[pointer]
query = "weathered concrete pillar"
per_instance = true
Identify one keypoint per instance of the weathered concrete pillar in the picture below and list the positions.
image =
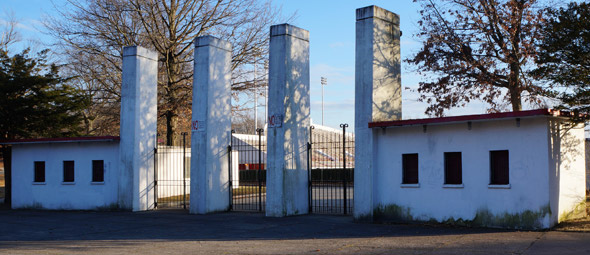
(377, 93)
(138, 128)
(211, 126)
(288, 118)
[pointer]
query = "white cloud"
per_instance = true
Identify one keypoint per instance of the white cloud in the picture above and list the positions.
(19, 25)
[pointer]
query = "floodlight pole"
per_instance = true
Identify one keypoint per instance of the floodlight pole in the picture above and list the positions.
(324, 82)
(255, 100)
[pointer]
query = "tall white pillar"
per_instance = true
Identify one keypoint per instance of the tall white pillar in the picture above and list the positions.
(377, 93)
(211, 126)
(288, 121)
(138, 128)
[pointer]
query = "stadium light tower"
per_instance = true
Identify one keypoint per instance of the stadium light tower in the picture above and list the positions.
(324, 82)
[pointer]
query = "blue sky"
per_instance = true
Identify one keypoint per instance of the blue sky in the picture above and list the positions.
(332, 41)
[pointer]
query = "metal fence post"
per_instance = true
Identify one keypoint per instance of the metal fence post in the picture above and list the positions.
(259, 131)
(156, 173)
(345, 179)
(184, 170)
(229, 150)
(309, 162)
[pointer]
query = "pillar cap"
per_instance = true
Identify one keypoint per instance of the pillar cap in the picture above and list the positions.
(209, 40)
(288, 29)
(140, 52)
(374, 11)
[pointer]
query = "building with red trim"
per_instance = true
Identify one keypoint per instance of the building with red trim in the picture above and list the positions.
(65, 173)
(513, 169)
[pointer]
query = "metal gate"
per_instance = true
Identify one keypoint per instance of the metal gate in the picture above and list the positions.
(172, 174)
(331, 175)
(247, 171)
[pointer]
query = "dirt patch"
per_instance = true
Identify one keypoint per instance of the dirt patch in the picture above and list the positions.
(577, 225)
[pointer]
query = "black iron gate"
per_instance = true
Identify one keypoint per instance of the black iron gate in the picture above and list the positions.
(247, 171)
(331, 175)
(172, 174)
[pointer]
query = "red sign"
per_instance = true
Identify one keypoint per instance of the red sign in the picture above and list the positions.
(197, 125)
(275, 120)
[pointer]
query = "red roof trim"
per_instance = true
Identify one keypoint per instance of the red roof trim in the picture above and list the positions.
(63, 139)
(490, 116)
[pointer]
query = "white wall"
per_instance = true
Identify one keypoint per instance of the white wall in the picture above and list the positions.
(587, 154)
(528, 167)
(211, 125)
(139, 92)
(377, 92)
(567, 170)
(170, 172)
(247, 146)
(288, 115)
(82, 194)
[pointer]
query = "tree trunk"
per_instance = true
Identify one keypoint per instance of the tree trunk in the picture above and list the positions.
(514, 87)
(171, 120)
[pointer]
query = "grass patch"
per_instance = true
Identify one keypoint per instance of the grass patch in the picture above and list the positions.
(247, 190)
(173, 198)
(244, 190)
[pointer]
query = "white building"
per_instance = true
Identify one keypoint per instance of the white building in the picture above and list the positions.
(517, 169)
(65, 173)
(90, 173)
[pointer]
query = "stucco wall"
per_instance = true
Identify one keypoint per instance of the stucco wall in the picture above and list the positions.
(54, 194)
(526, 201)
(170, 173)
(587, 160)
(567, 170)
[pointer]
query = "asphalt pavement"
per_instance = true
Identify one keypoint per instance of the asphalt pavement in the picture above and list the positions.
(177, 232)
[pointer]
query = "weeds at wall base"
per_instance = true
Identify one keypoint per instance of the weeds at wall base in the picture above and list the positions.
(530, 220)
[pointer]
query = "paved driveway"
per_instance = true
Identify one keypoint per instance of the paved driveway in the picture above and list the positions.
(175, 232)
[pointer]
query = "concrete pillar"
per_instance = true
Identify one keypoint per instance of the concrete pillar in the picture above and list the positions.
(377, 93)
(139, 92)
(211, 126)
(288, 118)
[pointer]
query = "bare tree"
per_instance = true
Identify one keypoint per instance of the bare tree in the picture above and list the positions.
(8, 33)
(92, 34)
(477, 50)
(244, 124)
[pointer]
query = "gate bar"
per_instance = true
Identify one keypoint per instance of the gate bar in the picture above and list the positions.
(231, 185)
(309, 158)
(184, 170)
(156, 173)
(259, 131)
(345, 179)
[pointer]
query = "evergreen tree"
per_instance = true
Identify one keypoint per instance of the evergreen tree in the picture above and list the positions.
(36, 101)
(564, 55)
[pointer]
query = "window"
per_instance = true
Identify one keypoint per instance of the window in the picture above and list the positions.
(453, 168)
(97, 170)
(39, 171)
(410, 168)
(499, 174)
(68, 171)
